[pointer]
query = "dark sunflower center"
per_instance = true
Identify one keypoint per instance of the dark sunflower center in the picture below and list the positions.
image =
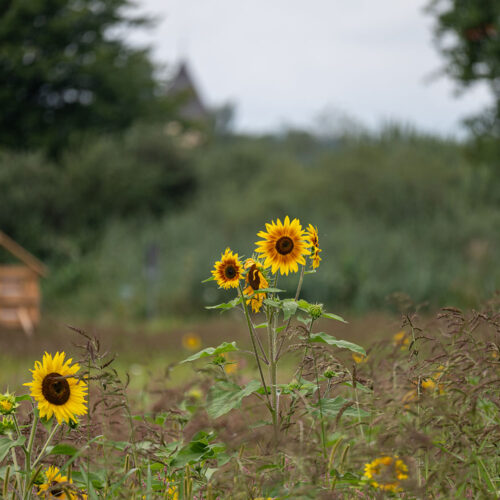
(230, 272)
(254, 277)
(55, 389)
(284, 245)
(55, 490)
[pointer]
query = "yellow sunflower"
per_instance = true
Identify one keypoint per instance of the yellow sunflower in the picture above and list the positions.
(386, 473)
(227, 270)
(191, 341)
(57, 392)
(312, 236)
(56, 486)
(255, 280)
(284, 246)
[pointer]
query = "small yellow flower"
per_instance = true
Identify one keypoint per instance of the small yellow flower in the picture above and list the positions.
(385, 473)
(195, 393)
(401, 340)
(191, 341)
(227, 270)
(359, 358)
(7, 403)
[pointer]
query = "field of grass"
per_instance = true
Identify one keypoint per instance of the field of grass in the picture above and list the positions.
(414, 416)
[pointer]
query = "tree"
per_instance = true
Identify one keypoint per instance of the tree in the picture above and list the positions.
(64, 69)
(472, 52)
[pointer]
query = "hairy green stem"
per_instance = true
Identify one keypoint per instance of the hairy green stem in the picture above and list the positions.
(250, 329)
(42, 451)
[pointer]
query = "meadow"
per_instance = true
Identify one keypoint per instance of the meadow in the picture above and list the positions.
(277, 398)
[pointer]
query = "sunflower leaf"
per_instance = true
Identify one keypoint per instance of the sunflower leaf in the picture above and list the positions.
(333, 316)
(225, 396)
(6, 444)
(26, 397)
(226, 305)
(289, 308)
(212, 278)
(62, 449)
(341, 344)
(212, 351)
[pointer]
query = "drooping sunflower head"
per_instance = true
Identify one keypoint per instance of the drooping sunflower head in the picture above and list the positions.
(283, 246)
(255, 280)
(312, 237)
(386, 472)
(56, 390)
(57, 486)
(227, 270)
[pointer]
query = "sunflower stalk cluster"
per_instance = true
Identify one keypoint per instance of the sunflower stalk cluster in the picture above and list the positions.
(284, 248)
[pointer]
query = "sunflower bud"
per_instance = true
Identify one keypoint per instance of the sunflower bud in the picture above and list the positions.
(6, 425)
(7, 404)
(315, 310)
(329, 374)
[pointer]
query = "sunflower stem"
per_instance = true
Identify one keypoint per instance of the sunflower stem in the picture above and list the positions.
(250, 329)
(49, 439)
(271, 332)
(31, 439)
(16, 468)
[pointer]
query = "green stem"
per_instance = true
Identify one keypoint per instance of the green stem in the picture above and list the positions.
(250, 329)
(271, 334)
(323, 436)
(42, 451)
(16, 468)
(28, 451)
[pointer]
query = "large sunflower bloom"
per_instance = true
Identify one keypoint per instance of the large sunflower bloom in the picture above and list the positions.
(284, 246)
(55, 486)
(227, 270)
(255, 280)
(312, 236)
(56, 391)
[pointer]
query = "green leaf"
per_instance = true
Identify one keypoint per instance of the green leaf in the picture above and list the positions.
(333, 316)
(26, 397)
(212, 278)
(341, 344)
(6, 444)
(273, 303)
(62, 449)
(331, 408)
(212, 351)
(289, 309)
(225, 306)
(225, 396)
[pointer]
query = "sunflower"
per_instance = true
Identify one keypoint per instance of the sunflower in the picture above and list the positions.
(386, 473)
(312, 236)
(227, 270)
(57, 392)
(255, 280)
(284, 246)
(191, 341)
(57, 485)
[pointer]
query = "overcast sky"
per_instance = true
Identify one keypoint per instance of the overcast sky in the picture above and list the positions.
(286, 61)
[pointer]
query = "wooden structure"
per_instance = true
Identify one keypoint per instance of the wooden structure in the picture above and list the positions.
(20, 288)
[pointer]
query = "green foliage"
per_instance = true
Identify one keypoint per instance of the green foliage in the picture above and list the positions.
(324, 338)
(396, 212)
(225, 396)
(65, 69)
(61, 210)
(212, 351)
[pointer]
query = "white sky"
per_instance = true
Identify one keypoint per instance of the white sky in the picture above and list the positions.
(285, 61)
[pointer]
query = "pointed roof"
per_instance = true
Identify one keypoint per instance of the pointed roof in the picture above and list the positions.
(23, 255)
(183, 85)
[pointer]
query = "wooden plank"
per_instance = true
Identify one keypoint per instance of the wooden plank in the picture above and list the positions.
(25, 320)
(23, 255)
